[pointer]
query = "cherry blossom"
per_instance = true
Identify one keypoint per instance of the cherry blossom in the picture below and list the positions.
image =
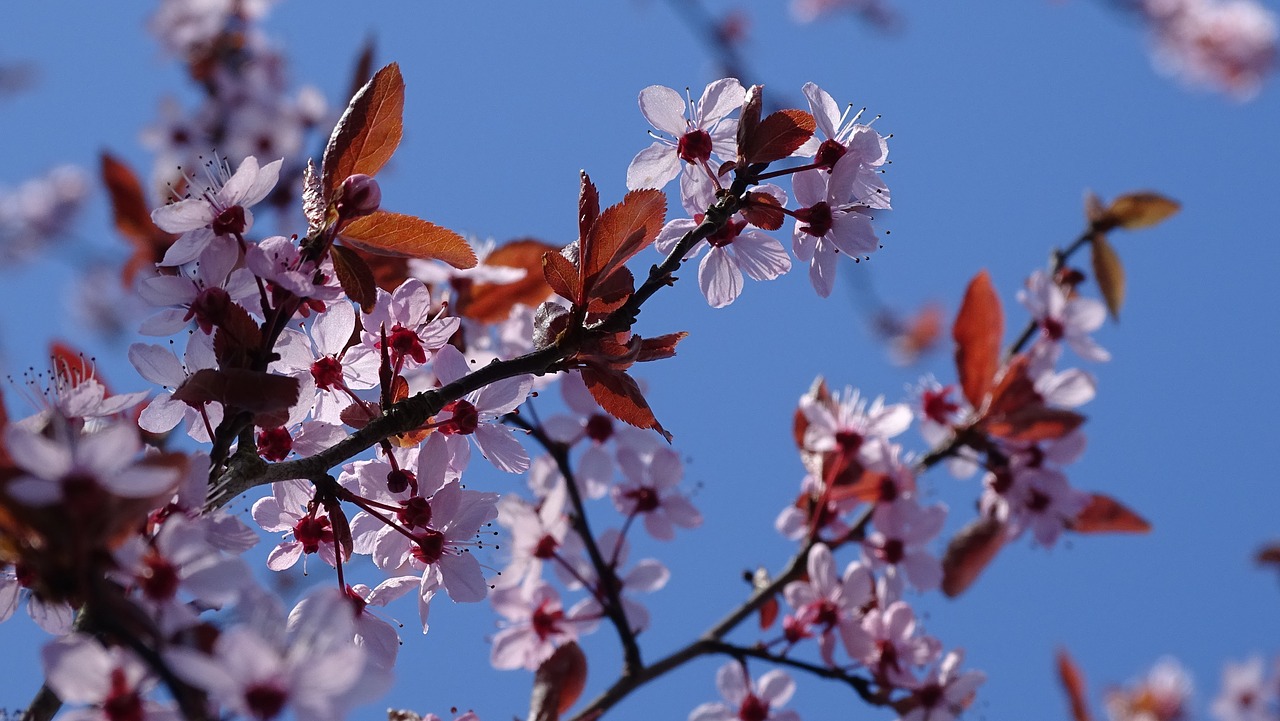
(845, 136)
(828, 222)
(944, 693)
(478, 414)
(55, 618)
(650, 492)
(902, 530)
(290, 510)
(595, 467)
(1062, 320)
(414, 334)
(161, 366)
(200, 291)
(536, 624)
(848, 425)
(646, 576)
(220, 207)
(887, 643)
(1163, 695)
(1247, 694)
(109, 680)
(745, 700)
(829, 602)
(694, 138)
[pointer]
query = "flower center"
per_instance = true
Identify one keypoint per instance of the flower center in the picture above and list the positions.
(753, 708)
(415, 513)
(159, 577)
(229, 222)
(828, 153)
(430, 546)
(405, 342)
(327, 372)
(818, 217)
(599, 427)
(209, 308)
(465, 418)
(275, 444)
(727, 234)
(264, 700)
(546, 622)
(1053, 328)
(312, 531)
(694, 146)
(122, 702)
(646, 499)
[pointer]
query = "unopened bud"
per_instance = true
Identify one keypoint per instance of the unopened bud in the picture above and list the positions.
(360, 196)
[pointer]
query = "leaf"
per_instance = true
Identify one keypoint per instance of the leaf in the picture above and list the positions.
(749, 118)
(340, 525)
(977, 331)
(236, 338)
(763, 211)
(588, 205)
(660, 348)
(620, 232)
(969, 553)
(266, 395)
(1109, 272)
(618, 394)
(818, 391)
(1073, 682)
(132, 217)
(1034, 423)
(778, 136)
(558, 683)
(1105, 514)
(562, 276)
(408, 236)
(1268, 555)
(363, 68)
(368, 132)
(612, 292)
(1141, 210)
(354, 276)
(492, 302)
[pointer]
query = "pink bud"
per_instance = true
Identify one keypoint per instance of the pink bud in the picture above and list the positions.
(360, 196)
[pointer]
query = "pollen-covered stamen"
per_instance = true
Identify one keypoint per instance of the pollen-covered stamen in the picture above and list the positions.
(727, 234)
(429, 546)
(122, 702)
(694, 146)
(464, 421)
(599, 427)
(327, 372)
(265, 700)
(159, 578)
(209, 308)
(415, 513)
(546, 622)
(231, 221)
(646, 499)
(753, 708)
(312, 531)
(828, 153)
(275, 444)
(818, 218)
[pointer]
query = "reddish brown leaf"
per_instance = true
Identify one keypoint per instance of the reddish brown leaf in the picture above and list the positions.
(363, 67)
(611, 292)
(800, 424)
(969, 552)
(660, 348)
(266, 395)
(618, 394)
(408, 236)
(341, 527)
(368, 132)
(558, 683)
(1109, 272)
(763, 211)
(562, 276)
(977, 332)
(132, 216)
(1268, 555)
(354, 276)
(1141, 210)
(1034, 423)
(778, 136)
(1105, 514)
(388, 271)
(749, 118)
(492, 302)
(236, 338)
(620, 232)
(1073, 683)
(768, 613)
(588, 205)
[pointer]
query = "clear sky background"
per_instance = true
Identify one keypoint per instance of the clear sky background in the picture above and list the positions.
(1002, 112)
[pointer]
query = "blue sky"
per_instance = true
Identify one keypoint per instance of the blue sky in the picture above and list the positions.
(1002, 115)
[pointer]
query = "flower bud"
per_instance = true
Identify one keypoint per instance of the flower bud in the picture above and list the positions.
(360, 195)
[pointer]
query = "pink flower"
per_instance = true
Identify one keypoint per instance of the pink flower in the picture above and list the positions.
(1163, 695)
(851, 423)
(650, 492)
(1062, 320)
(828, 602)
(828, 222)
(744, 699)
(903, 528)
(77, 468)
(221, 207)
(53, 618)
(199, 292)
(887, 643)
(734, 250)
(1228, 45)
(945, 693)
(845, 136)
(536, 625)
(1247, 693)
(109, 680)
(290, 510)
(480, 412)
(413, 333)
(693, 139)
(646, 576)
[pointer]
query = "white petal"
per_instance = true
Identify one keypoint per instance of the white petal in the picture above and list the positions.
(653, 167)
(664, 109)
(719, 278)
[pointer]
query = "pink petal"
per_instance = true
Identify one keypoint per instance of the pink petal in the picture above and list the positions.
(719, 278)
(664, 109)
(653, 167)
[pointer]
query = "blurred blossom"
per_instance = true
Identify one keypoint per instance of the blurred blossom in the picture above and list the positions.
(1164, 694)
(1227, 45)
(40, 211)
